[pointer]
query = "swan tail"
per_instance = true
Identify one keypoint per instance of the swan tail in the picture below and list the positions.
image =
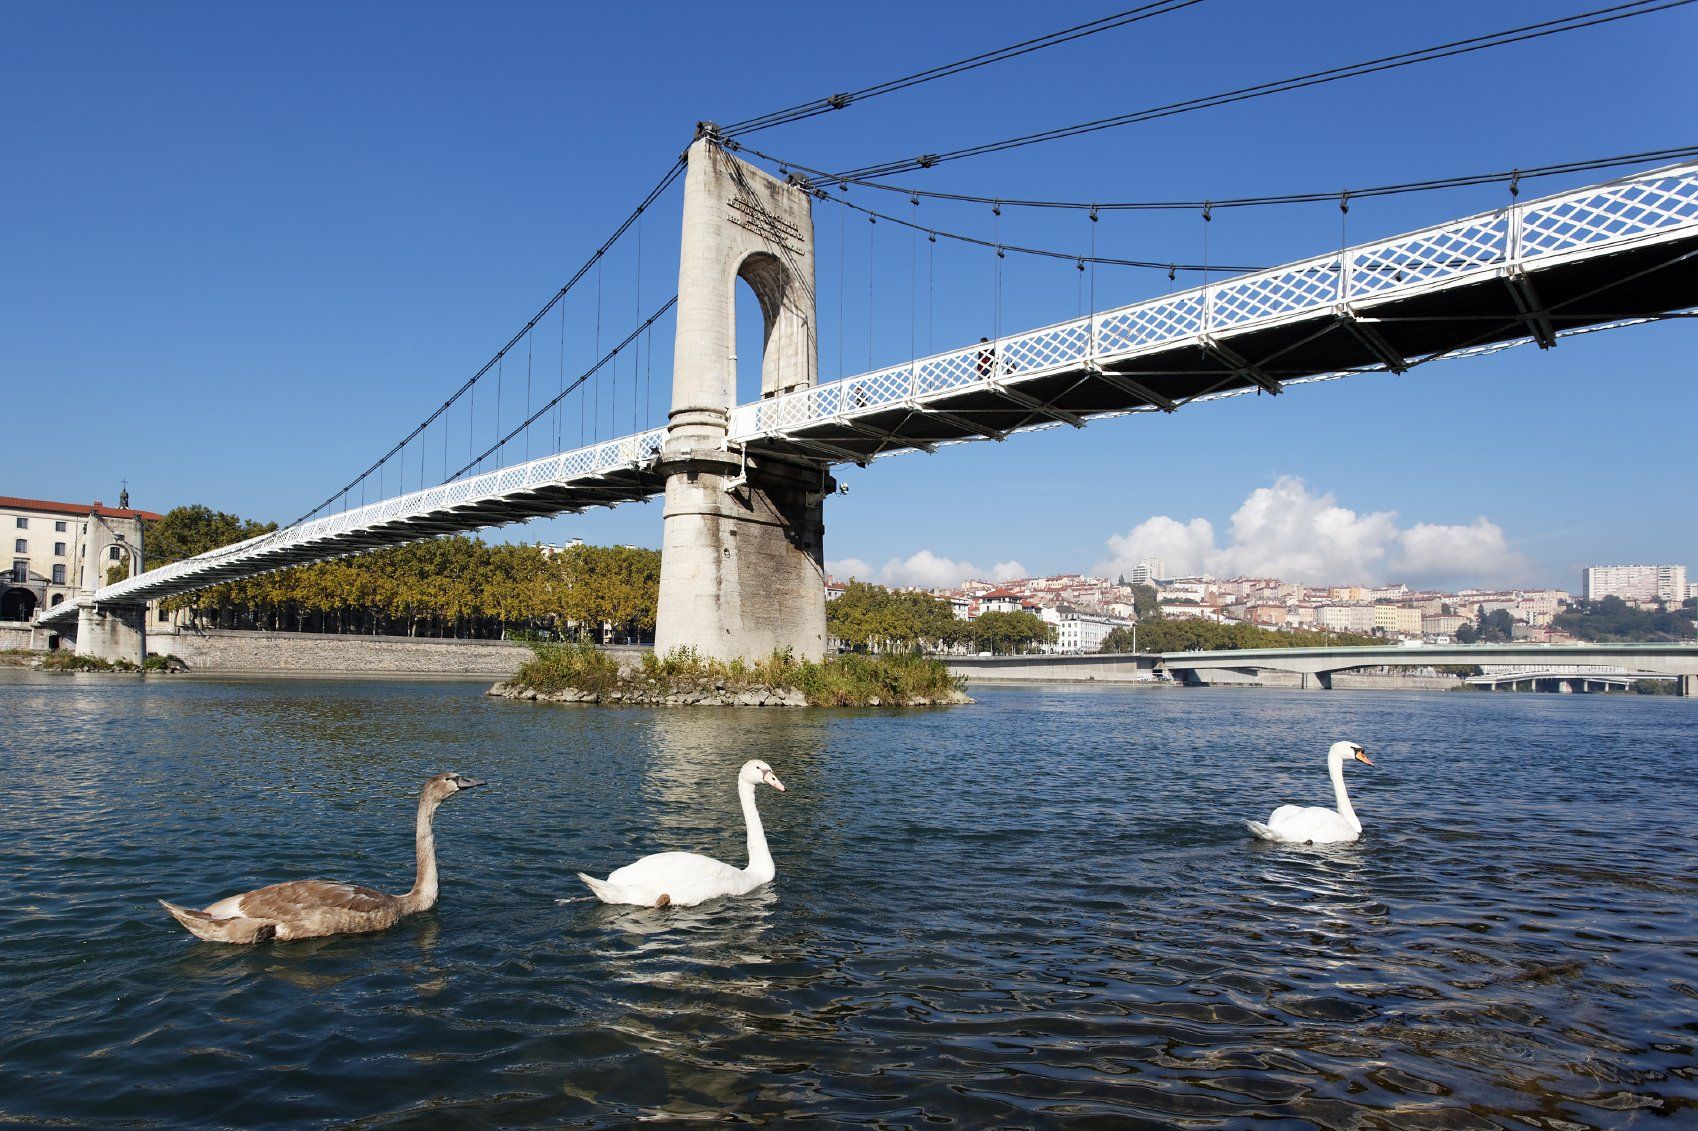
(1262, 831)
(625, 893)
(604, 891)
(233, 930)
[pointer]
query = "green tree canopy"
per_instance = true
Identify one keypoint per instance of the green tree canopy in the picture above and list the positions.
(1612, 619)
(1145, 603)
(1209, 636)
(1010, 632)
(450, 586)
(873, 618)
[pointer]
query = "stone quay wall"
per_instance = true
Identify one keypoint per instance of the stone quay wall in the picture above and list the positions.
(17, 635)
(313, 653)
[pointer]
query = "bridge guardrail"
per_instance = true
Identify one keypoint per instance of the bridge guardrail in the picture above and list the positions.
(1629, 208)
(561, 468)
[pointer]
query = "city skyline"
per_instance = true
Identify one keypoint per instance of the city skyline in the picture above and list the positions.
(284, 278)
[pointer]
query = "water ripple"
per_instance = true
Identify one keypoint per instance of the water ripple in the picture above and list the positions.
(1039, 911)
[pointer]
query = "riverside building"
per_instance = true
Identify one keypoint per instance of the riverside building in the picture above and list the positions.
(1635, 584)
(61, 548)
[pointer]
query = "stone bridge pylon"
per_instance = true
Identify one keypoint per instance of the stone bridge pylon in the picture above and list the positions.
(742, 569)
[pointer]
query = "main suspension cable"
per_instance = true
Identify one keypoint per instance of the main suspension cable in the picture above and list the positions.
(1469, 180)
(1048, 253)
(1014, 50)
(1524, 33)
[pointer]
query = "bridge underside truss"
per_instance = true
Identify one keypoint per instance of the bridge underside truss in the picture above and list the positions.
(1601, 256)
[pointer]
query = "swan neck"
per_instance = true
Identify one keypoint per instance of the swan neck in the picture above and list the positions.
(423, 895)
(1344, 808)
(760, 858)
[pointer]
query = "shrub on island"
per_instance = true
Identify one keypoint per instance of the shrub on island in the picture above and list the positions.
(583, 673)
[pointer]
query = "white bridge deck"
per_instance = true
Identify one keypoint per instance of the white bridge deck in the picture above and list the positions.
(1601, 256)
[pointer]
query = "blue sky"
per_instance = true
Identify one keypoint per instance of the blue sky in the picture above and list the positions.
(248, 248)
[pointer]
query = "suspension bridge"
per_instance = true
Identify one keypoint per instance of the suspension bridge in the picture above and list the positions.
(745, 484)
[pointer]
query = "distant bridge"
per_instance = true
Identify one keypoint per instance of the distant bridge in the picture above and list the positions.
(1316, 666)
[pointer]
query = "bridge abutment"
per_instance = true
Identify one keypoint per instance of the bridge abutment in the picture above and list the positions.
(742, 570)
(112, 632)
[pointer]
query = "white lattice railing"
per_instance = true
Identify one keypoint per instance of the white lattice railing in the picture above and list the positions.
(556, 470)
(1620, 212)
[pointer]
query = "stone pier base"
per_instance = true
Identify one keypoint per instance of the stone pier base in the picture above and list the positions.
(742, 573)
(112, 632)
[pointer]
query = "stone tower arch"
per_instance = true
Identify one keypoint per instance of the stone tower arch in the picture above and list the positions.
(742, 568)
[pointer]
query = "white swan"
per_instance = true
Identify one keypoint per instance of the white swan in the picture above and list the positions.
(1297, 824)
(684, 879)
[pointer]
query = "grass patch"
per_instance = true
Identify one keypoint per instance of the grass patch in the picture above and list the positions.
(858, 681)
(557, 667)
(71, 662)
(838, 681)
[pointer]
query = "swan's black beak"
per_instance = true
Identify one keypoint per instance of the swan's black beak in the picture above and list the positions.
(469, 783)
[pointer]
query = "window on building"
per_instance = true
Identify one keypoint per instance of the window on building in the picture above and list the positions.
(21, 546)
(59, 527)
(20, 570)
(58, 549)
(23, 523)
(59, 575)
(163, 615)
(114, 553)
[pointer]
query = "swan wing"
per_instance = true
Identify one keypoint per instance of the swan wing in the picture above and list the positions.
(685, 878)
(301, 897)
(1311, 825)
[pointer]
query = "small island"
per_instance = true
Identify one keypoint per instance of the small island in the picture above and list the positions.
(583, 673)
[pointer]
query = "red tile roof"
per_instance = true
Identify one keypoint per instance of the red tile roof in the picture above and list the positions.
(74, 509)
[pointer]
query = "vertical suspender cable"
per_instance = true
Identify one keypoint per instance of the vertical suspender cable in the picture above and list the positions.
(559, 440)
(842, 277)
(637, 346)
(931, 291)
(914, 286)
(595, 385)
(1093, 259)
(530, 349)
(872, 233)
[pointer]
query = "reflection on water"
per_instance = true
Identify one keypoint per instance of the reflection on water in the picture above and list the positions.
(1042, 910)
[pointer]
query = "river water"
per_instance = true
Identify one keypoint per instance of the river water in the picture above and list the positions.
(1042, 910)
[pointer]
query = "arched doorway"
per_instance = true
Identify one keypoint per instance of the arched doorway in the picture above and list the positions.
(17, 604)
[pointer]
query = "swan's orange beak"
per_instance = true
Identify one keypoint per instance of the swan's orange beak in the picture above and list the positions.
(772, 779)
(1362, 757)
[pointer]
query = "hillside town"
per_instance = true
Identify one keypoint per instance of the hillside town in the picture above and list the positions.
(1084, 610)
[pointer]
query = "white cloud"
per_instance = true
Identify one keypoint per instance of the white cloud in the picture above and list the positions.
(1284, 531)
(1289, 532)
(1183, 548)
(847, 569)
(924, 569)
(1458, 555)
